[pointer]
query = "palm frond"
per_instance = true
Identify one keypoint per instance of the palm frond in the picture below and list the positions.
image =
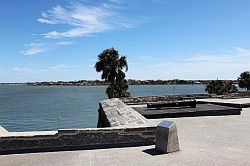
(123, 63)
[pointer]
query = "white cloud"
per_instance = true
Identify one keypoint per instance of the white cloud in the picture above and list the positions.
(64, 43)
(45, 21)
(29, 70)
(208, 58)
(238, 54)
(33, 45)
(224, 66)
(36, 48)
(34, 70)
(32, 51)
(117, 1)
(33, 48)
(83, 20)
(63, 68)
(242, 52)
(145, 57)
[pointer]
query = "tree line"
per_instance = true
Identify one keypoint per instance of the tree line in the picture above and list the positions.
(221, 87)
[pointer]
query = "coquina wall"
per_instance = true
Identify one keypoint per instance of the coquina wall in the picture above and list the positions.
(120, 126)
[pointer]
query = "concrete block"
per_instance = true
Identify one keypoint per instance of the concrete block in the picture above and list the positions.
(3, 131)
(167, 137)
(113, 112)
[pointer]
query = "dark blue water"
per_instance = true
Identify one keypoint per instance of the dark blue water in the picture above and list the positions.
(30, 108)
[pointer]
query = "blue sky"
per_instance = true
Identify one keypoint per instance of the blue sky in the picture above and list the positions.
(50, 40)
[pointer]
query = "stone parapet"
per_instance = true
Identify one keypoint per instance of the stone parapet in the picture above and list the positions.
(113, 112)
(146, 99)
(3, 131)
(119, 125)
(67, 139)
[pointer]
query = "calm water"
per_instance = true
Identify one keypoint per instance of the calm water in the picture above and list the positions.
(30, 108)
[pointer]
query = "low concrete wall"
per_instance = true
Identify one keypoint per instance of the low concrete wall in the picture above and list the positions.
(67, 139)
(124, 127)
(3, 131)
(146, 99)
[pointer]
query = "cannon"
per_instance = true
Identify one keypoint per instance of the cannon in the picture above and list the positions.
(175, 103)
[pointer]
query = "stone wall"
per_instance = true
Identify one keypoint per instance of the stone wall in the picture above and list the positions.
(121, 126)
(113, 112)
(3, 131)
(146, 99)
(77, 139)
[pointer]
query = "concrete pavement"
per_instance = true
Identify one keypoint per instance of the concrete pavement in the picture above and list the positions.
(206, 141)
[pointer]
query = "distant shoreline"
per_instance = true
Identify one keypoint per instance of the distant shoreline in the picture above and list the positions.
(103, 83)
(20, 84)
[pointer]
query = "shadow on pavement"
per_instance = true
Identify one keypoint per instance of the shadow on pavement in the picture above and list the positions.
(152, 152)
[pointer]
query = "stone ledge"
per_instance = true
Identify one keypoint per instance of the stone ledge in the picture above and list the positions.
(229, 104)
(3, 131)
(113, 112)
(121, 126)
(70, 139)
(146, 99)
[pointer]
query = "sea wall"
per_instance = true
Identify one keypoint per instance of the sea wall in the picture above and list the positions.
(119, 125)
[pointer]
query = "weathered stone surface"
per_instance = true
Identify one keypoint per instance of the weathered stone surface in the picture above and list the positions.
(146, 99)
(82, 138)
(123, 126)
(113, 112)
(3, 131)
(167, 137)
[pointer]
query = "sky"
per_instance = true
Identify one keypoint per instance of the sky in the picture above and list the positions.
(52, 40)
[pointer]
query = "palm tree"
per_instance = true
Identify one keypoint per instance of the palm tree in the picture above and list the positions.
(111, 65)
(244, 80)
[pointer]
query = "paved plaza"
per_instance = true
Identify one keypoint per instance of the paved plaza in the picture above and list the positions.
(206, 141)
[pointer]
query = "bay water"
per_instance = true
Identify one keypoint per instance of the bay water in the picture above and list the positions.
(39, 108)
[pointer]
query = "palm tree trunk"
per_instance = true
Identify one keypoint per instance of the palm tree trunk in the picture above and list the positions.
(112, 89)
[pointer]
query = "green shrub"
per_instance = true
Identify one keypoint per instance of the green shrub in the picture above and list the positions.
(220, 87)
